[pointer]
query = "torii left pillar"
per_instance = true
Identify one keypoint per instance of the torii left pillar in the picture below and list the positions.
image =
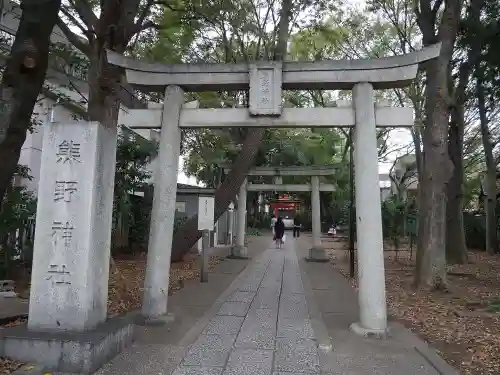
(371, 274)
(239, 250)
(154, 305)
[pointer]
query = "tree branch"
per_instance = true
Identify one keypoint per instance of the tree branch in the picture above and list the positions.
(74, 39)
(85, 12)
(141, 24)
(85, 31)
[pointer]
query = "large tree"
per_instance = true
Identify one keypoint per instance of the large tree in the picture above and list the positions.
(456, 248)
(22, 81)
(484, 32)
(108, 24)
(438, 23)
(243, 35)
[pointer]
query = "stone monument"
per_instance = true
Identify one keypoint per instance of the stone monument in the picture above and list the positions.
(69, 280)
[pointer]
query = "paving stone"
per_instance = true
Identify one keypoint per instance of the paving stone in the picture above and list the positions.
(257, 332)
(296, 355)
(209, 351)
(224, 325)
(250, 362)
(266, 298)
(292, 288)
(272, 278)
(269, 317)
(234, 308)
(196, 370)
(293, 306)
(144, 359)
(251, 282)
(295, 328)
(355, 364)
(249, 286)
(241, 296)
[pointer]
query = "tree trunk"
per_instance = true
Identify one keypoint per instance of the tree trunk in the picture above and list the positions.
(489, 184)
(419, 159)
(456, 249)
(187, 235)
(22, 81)
(431, 270)
(436, 173)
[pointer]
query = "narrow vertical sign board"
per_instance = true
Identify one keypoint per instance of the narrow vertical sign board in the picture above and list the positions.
(206, 207)
(206, 224)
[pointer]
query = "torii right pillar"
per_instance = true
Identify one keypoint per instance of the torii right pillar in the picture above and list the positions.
(371, 274)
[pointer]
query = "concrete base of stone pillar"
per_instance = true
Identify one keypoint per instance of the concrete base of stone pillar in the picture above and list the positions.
(238, 252)
(67, 351)
(368, 332)
(155, 321)
(317, 254)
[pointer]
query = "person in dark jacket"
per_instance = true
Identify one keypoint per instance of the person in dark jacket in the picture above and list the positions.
(279, 231)
(296, 226)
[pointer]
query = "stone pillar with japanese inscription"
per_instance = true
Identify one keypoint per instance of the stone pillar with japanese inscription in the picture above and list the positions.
(69, 281)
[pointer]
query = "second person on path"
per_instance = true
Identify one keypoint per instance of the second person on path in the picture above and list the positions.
(279, 231)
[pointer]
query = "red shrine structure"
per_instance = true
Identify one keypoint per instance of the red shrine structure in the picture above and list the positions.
(284, 205)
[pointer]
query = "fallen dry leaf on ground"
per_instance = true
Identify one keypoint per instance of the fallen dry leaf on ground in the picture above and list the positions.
(470, 343)
(126, 288)
(126, 285)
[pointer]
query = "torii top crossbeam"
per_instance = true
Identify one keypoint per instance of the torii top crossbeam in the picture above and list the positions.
(382, 73)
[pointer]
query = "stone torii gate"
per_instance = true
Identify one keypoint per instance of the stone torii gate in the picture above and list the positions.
(69, 280)
(317, 252)
(265, 81)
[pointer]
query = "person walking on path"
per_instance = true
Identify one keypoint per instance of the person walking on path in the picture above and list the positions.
(273, 223)
(296, 227)
(279, 232)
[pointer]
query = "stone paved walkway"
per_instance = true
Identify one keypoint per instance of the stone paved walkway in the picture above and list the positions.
(261, 328)
(280, 316)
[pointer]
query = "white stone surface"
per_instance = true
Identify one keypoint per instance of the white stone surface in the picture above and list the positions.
(371, 278)
(149, 118)
(316, 212)
(290, 118)
(69, 282)
(388, 72)
(265, 88)
(163, 212)
(230, 225)
(242, 213)
(216, 233)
